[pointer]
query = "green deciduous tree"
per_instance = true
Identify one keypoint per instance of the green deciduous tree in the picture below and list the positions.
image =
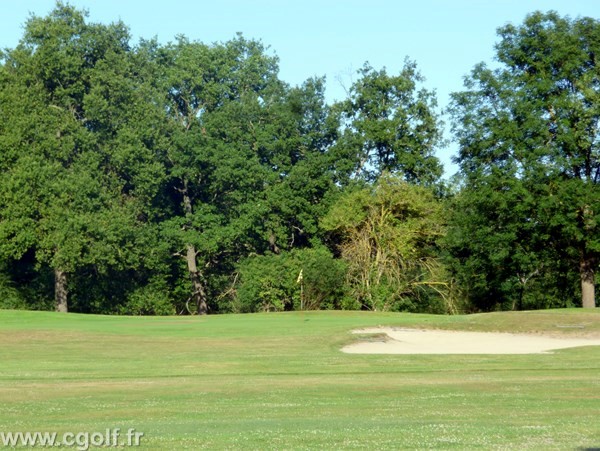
(66, 194)
(139, 176)
(216, 98)
(390, 124)
(299, 132)
(388, 237)
(529, 140)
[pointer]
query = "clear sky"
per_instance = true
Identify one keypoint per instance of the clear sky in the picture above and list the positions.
(334, 38)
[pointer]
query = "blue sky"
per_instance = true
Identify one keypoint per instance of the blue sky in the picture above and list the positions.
(327, 37)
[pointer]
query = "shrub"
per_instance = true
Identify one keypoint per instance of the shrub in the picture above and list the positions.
(150, 299)
(301, 279)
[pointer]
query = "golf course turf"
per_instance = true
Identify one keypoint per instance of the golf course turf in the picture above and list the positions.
(280, 381)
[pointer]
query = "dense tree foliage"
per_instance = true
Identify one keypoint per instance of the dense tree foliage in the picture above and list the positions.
(189, 178)
(391, 125)
(388, 237)
(309, 278)
(62, 197)
(530, 156)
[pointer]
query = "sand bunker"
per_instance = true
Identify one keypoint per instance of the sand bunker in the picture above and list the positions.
(415, 341)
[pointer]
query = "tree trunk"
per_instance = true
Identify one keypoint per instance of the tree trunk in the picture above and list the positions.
(586, 271)
(198, 295)
(60, 291)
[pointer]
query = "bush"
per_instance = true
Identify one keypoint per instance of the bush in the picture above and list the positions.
(150, 299)
(10, 298)
(307, 279)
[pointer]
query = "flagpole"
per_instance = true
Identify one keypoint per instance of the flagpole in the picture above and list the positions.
(300, 280)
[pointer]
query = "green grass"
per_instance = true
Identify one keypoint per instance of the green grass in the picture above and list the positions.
(279, 381)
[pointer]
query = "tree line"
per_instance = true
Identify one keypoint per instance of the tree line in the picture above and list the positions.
(187, 178)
